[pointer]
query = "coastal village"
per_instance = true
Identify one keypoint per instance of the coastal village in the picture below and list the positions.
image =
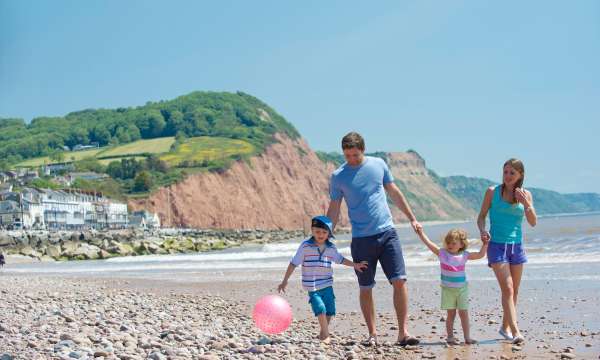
(26, 207)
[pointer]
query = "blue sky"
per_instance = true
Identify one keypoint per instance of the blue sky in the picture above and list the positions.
(467, 84)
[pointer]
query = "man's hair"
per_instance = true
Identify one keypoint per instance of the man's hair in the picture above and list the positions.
(353, 140)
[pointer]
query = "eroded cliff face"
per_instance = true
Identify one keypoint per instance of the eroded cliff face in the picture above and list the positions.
(428, 199)
(282, 189)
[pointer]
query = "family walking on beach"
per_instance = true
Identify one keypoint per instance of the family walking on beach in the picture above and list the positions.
(363, 182)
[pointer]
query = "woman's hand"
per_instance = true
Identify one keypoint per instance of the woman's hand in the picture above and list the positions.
(360, 266)
(485, 236)
(521, 197)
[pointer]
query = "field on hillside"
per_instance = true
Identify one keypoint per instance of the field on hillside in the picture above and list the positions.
(205, 148)
(69, 156)
(149, 146)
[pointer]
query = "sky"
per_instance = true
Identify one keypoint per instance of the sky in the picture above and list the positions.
(466, 84)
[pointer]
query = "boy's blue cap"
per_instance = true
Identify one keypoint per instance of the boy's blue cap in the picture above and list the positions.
(323, 222)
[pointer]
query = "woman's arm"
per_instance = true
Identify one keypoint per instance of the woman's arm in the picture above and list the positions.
(525, 198)
(433, 247)
(485, 207)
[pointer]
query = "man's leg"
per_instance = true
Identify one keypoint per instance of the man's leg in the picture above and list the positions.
(401, 307)
(368, 309)
(365, 249)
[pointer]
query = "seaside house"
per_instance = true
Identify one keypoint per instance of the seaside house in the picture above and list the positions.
(144, 219)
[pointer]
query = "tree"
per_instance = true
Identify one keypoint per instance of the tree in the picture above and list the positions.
(142, 182)
(57, 156)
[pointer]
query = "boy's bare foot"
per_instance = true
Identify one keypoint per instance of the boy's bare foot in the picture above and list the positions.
(451, 340)
(471, 341)
(325, 340)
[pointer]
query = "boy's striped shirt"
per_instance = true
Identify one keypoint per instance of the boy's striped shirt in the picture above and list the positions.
(317, 272)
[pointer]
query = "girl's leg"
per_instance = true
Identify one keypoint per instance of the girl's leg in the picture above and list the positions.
(324, 324)
(464, 321)
(502, 272)
(450, 316)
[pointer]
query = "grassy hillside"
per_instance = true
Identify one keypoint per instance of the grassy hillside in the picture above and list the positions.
(217, 114)
(471, 191)
(199, 151)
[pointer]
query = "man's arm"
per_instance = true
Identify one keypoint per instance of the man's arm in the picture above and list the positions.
(333, 212)
(400, 201)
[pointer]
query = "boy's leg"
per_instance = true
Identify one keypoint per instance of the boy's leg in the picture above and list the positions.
(324, 324)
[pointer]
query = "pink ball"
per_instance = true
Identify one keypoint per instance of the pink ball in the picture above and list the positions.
(272, 314)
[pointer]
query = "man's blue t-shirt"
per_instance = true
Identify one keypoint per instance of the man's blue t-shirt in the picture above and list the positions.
(362, 188)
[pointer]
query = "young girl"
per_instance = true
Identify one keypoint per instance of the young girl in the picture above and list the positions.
(455, 293)
(507, 205)
(316, 255)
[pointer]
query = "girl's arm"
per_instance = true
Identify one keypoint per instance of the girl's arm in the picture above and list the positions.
(357, 266)
(485, 207)
(433, 247)
(482, 252)
(290, 269)
(525, 198)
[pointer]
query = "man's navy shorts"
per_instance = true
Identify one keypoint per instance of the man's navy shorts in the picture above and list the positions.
(383, 248)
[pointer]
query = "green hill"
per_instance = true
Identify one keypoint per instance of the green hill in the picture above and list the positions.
(471, 191)
(227, 115)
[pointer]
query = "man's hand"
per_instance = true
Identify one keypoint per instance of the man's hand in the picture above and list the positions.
(416, 226)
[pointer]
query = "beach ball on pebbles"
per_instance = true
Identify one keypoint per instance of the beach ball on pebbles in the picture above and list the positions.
(272, 314)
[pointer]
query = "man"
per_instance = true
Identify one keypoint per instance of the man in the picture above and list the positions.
(363, 182)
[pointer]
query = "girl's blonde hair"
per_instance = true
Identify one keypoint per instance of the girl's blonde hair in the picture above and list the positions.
(459, 235)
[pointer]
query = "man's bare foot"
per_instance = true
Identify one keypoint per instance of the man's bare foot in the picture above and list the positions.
(471, 341)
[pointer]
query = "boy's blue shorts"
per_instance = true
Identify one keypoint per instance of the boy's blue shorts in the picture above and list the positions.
(322, 301)
(383, 248)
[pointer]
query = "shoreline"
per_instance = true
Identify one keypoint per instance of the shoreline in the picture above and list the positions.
(140, 318)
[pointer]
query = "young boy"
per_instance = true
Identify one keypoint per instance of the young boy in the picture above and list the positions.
(316, 255)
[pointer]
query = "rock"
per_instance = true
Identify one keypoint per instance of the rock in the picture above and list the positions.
(516, 348)
(157, 356)
(86, 251)
(567, 356)
(6, 356)
(29, 251)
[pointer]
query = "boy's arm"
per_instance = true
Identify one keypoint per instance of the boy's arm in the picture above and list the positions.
(357, 266)
(290, 269)
(433, 247)
(481, 253)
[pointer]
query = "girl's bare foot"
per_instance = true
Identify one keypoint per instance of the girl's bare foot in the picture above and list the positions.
(451, 340)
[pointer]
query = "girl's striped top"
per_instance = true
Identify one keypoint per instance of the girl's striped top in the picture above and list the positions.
(453, 268)
(317, 272)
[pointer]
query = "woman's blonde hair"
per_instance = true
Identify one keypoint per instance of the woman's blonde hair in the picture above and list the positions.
(459, 235)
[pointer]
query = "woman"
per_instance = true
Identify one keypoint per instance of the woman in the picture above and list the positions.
(507, 204)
